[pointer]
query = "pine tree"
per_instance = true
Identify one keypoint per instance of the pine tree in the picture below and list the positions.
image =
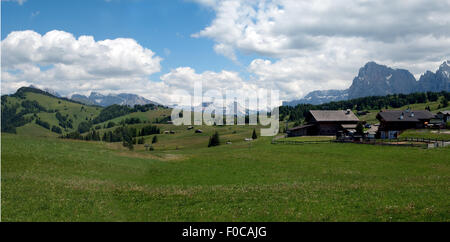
(155, 139)
(360, 129)
(444, 102)
(254, 136)
(214, 140)
(141, 141)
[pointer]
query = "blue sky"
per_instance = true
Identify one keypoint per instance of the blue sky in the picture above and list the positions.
(151, 47)
(162, 26)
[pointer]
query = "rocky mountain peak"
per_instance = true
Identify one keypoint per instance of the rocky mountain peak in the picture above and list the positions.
(379, 80)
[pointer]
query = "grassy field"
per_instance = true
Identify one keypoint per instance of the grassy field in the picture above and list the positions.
(49, 179)
(309, 138)
(427, 134)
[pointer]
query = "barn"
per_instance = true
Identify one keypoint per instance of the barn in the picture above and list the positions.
(326, 122)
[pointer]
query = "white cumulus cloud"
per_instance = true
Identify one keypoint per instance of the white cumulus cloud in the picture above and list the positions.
(64, 63)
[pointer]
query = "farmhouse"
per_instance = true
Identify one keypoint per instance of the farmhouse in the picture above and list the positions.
(326, 122)
(444, 116)
(392, 123)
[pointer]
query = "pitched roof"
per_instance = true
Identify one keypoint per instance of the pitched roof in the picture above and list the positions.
(446, 112)
(301, 127)
(333, 115)
(405, 116)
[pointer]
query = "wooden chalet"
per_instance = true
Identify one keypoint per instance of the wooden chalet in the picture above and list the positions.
(326, 122)
(393, 122)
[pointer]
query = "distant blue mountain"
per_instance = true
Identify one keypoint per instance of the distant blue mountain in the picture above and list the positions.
(110, 99)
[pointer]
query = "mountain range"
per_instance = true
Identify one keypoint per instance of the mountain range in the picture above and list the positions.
(106, 100)
(379, 80)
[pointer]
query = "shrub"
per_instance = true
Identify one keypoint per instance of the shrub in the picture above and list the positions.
(111, 124)
(43, 123)
(360, 129)
(214, 140)
(56, 129)
(84, 127)
(141, 141)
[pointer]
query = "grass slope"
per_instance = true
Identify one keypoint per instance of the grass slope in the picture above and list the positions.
(75, 111)
(48, 179)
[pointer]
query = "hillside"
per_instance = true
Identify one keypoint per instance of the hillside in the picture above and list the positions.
(33, 106)
(38, 113)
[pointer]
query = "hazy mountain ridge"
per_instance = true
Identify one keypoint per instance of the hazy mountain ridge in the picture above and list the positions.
(320, 96)
(106, 100)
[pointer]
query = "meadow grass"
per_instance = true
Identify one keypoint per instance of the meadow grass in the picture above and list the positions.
(50, 179)
(427, 134)
(309, 138)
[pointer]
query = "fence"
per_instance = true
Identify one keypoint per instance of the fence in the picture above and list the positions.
(295, 142)
(405, 141)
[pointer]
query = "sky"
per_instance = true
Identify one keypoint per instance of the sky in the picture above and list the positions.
(157, 49)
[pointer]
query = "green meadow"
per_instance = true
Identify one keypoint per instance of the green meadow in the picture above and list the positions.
(46, 178)
(51, 179)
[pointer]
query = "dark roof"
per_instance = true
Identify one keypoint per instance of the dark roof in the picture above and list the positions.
(333, 115)
(408, 115)
(301, 127)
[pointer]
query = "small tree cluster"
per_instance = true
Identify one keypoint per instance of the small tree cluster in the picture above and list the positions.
(214, 140)
(42, 123)
(141, 141)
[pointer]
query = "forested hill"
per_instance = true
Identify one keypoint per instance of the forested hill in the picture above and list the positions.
(367, 103)
(31, 109)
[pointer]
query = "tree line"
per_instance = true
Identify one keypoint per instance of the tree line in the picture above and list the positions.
(365, 103)
(116, 110)
(126, 135)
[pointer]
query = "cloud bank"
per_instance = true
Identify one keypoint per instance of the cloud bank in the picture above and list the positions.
(321, 44)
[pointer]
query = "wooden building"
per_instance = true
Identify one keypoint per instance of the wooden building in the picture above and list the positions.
(393, 122)
(444, 116)
(326, 122)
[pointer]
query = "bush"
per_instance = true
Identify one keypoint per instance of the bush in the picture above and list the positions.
(214, 140)
(84, 127)
(360, 129)
(141, 141)
(43, 123)
(56, 129)
(155, 139)
(111, 124)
